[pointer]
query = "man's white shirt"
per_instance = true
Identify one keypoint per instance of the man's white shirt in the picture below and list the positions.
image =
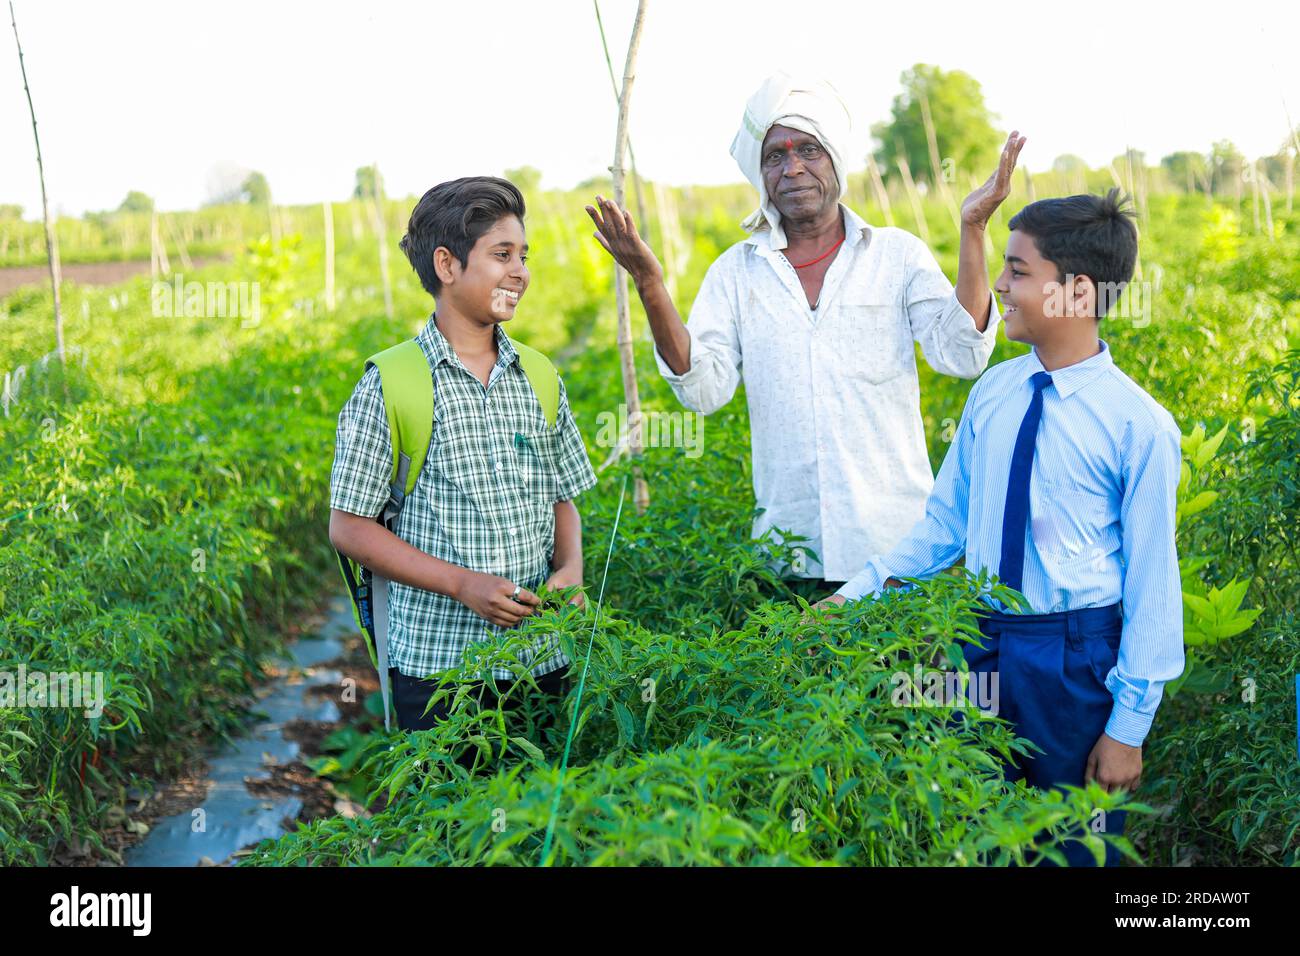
(838, 444)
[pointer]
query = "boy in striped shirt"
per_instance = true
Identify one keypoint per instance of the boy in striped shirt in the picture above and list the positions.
(1062, 479)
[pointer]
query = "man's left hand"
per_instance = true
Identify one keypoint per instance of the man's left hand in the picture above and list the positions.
(984, 201)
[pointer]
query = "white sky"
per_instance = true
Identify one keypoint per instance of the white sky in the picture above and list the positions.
(152, 96)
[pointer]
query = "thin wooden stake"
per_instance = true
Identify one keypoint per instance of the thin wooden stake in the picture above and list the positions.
(914, 197)
(377, 218)
(186, 263)
(627, 357)
(51, 243)
(329, 256)
(878, 187)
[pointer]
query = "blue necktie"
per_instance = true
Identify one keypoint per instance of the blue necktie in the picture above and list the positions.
(1015, 517)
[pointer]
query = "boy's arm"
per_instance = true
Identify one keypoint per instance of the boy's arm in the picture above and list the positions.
(957, 328)
(937, 540)
(1151, 645)
(566, 563)
(574, 475)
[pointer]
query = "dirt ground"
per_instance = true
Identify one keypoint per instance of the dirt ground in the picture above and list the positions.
(82, 273)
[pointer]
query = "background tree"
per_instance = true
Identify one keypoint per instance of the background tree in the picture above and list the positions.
(136, 201)
(1226, 166)
(1186, 170)
(527, 178)
(1068, 164)
(365, 183)
(255, 190)
(963, 125)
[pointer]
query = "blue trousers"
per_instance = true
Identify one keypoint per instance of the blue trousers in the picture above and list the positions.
(1051, 671)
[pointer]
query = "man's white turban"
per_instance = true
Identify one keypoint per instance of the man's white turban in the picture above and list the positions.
(807, 104)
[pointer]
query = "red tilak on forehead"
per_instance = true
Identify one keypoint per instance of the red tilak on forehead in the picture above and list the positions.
(789, 143)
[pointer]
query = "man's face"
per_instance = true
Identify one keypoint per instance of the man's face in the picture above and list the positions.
(798, 174)
(495, 276)
(1036, 304)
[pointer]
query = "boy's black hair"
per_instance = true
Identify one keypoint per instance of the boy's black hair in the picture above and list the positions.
(455, 214)
(1085, 235)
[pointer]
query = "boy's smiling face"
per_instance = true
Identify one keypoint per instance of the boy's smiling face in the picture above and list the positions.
(1037, 305)
(489, 287)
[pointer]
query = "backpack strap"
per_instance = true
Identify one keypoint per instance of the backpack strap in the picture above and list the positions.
(408, 404)
(543, 377)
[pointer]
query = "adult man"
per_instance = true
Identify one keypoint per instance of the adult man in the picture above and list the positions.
(822, 309)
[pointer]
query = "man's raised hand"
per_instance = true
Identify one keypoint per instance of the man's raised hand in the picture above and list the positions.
(980, 204)
(616, 231)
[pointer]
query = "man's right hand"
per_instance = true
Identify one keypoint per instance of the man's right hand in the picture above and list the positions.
(488, 596)
(616, 231)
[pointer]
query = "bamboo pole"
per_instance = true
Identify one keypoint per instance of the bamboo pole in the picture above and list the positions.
(329, 256)
(918, 213)
(159, 263)
(636, 177)
(377, 218)
(1254, 195)
(878, 187)
(936, 164)
(627, 358)
(51, 243)
(671, 241)
(275, 225)
(186, 263)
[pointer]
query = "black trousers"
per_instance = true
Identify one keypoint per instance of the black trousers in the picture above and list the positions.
(813, 590)
(411, 695)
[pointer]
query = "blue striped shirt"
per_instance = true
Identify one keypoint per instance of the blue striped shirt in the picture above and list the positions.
(1101, 528)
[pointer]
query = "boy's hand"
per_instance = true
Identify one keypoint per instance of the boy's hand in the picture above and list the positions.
(617, 233)
(488, 596)
(1114, 765)
(981, 204)
(567, 578)
(835, 600)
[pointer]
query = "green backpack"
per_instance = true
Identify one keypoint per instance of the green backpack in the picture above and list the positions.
(408, 402)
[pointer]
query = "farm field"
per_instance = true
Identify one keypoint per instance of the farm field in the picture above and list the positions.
(163, 515)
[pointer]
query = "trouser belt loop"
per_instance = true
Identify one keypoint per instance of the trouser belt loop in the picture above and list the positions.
(1073, 629)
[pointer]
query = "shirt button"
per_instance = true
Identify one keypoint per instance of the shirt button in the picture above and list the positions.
(499, 466)
(512, 530)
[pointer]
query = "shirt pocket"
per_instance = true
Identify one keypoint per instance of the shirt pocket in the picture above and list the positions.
(1072, 527)
(535, 454)
(876, 341)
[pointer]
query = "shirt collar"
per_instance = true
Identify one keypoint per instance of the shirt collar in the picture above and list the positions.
(438, 349)
(856, 230)
(1071, 378)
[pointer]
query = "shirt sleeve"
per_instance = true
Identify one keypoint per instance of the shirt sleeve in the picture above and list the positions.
(940, 323)
(574, 474)
(363, 451)
(713, 326)
(937, 540)
(1151, 644)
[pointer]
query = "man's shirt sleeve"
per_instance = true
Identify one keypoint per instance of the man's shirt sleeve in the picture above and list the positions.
(573, 468)
(936, 541)
(711, 380)
(940, 323)
(363, 451)
(1151, 645)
